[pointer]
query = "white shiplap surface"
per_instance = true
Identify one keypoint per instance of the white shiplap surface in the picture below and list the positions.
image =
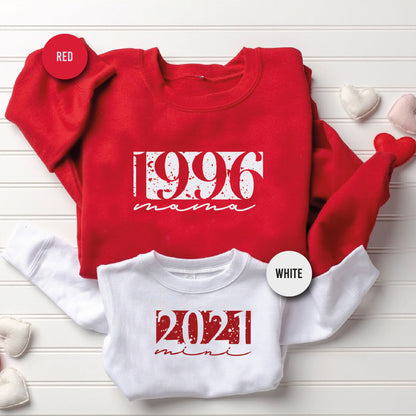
(369, 368)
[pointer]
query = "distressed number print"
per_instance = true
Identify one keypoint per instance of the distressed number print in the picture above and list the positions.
(200, 176)
(191, 332)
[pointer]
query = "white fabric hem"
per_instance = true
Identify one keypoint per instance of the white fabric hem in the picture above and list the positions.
(330, 300)
(25, 248)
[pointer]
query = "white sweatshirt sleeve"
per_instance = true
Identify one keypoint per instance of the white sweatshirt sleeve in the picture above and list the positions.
(329, 301)
(53, 266)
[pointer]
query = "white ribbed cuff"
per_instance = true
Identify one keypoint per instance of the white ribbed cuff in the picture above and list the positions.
(25, 247)
(330, 300)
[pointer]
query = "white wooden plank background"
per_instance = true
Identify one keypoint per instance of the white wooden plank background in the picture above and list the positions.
(369, 367)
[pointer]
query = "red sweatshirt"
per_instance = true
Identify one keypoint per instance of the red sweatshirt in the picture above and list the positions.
(194, 159)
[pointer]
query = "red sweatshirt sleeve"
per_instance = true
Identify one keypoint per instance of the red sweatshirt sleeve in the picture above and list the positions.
(53, 114)
(346, 195)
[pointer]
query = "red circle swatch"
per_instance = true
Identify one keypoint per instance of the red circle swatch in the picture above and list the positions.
(64, 56)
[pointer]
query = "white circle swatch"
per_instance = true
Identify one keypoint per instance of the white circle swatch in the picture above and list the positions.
(289, 273)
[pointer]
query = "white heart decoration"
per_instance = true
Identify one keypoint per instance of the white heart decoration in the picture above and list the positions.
(13, 389)
(403, 113)
(358, 102)
(16, 334)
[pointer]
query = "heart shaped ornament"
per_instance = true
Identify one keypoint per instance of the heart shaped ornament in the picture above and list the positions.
(403, 113)
(13, 389)
(16, 335)
(403, 148)
(358, 102)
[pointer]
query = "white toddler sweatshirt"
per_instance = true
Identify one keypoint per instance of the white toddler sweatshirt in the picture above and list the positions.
(203, 327)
